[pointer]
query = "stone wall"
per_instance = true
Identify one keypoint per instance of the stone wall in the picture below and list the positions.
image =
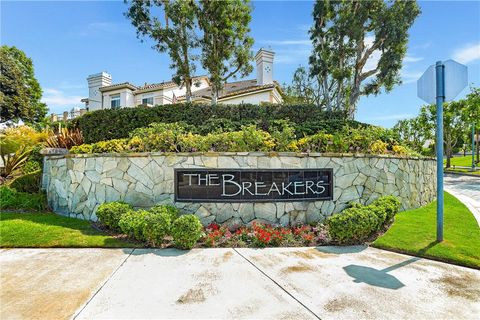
(77, 184)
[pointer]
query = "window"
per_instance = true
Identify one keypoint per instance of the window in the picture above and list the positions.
(147, 101)
(115, 101)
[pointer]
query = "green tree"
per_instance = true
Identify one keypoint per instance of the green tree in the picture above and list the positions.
(471, 117)
(303, 89)
(226, 43)
(454, 125)
(20, 91)
(174, 33)
(412, 132)
(345, 35)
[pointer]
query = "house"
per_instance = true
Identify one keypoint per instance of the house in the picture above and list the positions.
(105, 95)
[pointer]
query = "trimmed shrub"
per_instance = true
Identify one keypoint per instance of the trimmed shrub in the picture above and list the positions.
(156, 227)
(110, 213)
(110, 146)
(352, 225)
(171, 211)
(29, 183)
(391, 205)
(84, 148)
(186, 231)
(357, 223)
(132, 223)
(12, 199)
(114, 124)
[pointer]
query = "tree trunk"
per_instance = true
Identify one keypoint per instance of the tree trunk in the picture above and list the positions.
(478, 146)
(214, 96)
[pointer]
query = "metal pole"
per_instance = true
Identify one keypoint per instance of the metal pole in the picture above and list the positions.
(473, 146)
(440, 84)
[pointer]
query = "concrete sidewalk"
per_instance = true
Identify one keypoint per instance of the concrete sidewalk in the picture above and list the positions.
(467, 190)
(276, 283)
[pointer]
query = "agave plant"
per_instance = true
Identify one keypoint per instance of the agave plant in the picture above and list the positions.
(66, 138)
(13, 162)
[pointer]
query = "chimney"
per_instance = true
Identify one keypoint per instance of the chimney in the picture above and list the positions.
(264, 60)
(95, 82)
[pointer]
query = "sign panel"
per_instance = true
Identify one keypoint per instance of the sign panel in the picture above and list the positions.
(253, 185)
(455, 78)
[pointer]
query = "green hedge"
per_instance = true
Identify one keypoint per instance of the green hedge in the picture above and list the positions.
(110, 124)
(356, 224)
(175, 137)
(153, 225)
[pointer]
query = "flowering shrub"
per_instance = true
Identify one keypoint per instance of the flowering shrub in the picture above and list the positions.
(172, 137)
(261, 235)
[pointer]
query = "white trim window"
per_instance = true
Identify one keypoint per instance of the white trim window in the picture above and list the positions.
(115, 101)
(148, 100)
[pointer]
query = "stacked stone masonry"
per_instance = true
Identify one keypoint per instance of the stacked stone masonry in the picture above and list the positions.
(77, 184)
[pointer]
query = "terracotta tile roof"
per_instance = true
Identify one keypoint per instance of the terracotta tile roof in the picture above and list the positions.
(233, 89)
(118, 86)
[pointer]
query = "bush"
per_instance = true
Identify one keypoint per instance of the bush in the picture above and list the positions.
(84, 148)
(391, 205)
(31, 166)
(186, 231)
(29, 183)
(171, 211)
(110, 146)
(11, 199)
(353, 225)
(133, 223)
(110, 213)
(204, 118)
(160, 136)
(156, 227)
(357, 223)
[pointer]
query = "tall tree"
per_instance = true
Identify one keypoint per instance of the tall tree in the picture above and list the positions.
(472, 117)
(226, 43)
(346, 35)
(412, 133)
(20, 92)
(454, 125)
(303, 89)
(173, 33)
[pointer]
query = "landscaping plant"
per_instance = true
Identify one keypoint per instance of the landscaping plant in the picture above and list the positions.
(357, 223)
(133, 223)
(12, 199)
(110, 213)
(29, 182)
(157, 227)
(186, 231)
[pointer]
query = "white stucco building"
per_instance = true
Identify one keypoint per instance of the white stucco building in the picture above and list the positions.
(105, 95)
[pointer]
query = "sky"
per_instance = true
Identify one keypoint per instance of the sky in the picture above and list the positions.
(69, 40)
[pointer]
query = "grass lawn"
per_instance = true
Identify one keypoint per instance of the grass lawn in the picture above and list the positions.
(477, 172)
(465, 161)
(43, 230)
(414, 232)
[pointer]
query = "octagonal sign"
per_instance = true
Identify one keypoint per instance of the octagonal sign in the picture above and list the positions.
(455, 77)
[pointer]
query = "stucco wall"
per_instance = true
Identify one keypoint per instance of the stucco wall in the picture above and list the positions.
(77, 184)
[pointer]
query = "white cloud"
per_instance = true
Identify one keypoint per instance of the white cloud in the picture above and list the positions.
(409, 58)
(54, 97)
(372, 61)
(468, 53)
(410, 76)
(292, 56)
(390, 117)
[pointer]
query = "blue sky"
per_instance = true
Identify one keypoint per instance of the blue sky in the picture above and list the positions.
(70, 40)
